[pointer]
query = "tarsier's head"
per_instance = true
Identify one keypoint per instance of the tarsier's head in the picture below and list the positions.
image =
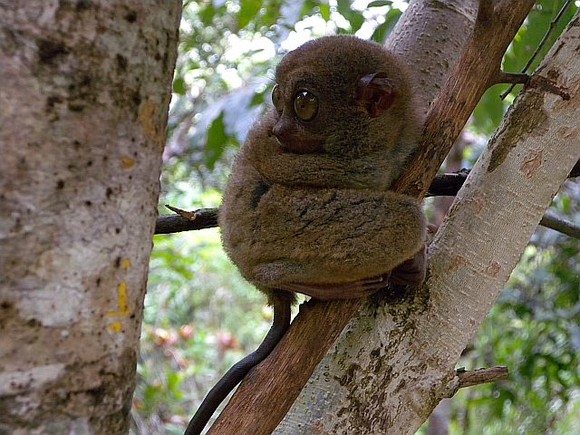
(342, 95)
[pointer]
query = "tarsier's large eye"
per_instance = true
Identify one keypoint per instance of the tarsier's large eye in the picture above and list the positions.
(305, 105)
(277, 98)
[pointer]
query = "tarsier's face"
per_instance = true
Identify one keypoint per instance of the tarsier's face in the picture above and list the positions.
(327, 94)
(298, 120)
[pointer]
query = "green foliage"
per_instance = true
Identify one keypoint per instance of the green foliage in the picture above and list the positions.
(383, 30)
(201, 316)
(491, 108)
(533, 330)
(354, 18)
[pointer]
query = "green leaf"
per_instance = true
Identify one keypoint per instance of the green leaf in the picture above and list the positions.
(206, 14)
(179, 86)
(489, 111)
(248, 12)
(529, 36)
(325, 11)
(379, 3)
(216, 139)
(355, 18)
(383, 30)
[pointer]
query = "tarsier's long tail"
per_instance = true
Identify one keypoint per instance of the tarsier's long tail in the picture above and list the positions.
(282, 312)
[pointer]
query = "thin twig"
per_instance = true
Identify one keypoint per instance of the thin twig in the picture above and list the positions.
(513, 78)
(553, 24)
(556, 223)
(204, 218)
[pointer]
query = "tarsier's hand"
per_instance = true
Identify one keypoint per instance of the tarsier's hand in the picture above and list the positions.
(346, 290)
(411, 272)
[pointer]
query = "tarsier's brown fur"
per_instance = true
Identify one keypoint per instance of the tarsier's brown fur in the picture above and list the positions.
(319, 220)
(307, 207)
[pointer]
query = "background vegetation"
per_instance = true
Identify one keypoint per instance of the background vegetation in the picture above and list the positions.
(201, 316)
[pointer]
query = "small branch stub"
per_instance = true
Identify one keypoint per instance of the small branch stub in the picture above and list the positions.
(186, 220)
(480, 376)
(189, 215)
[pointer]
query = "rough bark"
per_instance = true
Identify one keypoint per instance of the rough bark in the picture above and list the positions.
(430, 36)
(84, 93)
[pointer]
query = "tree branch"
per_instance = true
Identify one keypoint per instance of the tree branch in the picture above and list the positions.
(513, 78)
(199, 220)
(554, 222)
(447, 184)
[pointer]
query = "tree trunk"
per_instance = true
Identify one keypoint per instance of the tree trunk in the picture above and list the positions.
(392, 366)
(84, 93)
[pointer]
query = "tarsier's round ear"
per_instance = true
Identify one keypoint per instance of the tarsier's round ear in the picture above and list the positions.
(375, 93)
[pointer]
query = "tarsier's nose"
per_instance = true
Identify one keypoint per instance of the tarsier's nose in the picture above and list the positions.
(280, 133)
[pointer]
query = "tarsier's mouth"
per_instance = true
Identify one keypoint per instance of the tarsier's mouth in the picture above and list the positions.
(297, 143)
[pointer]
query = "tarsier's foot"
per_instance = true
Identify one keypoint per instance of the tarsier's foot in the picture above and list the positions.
(411, 272)
(348, 290)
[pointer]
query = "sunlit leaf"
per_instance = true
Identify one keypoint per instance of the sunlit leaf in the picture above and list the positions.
(206, 14)
(354, 17)
(383, 30)
(179, 86)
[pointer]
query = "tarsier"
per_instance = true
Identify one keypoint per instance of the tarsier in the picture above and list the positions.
(307, 207)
